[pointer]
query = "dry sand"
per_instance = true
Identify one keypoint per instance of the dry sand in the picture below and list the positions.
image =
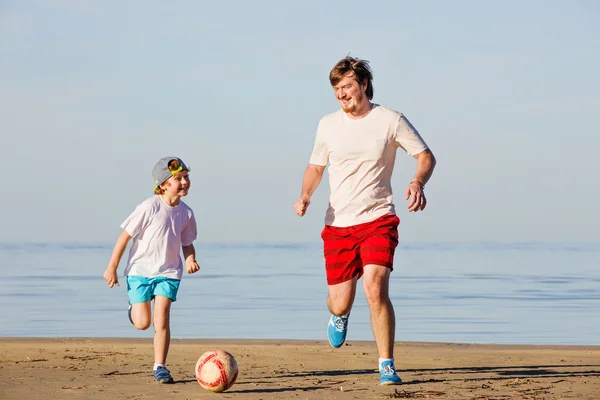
(121, 369)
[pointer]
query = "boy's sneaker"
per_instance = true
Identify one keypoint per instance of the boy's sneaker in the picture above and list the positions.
(129, 314)
(387, 374)
(336, 330)
(162, 375)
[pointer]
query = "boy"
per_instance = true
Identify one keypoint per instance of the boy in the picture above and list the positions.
(160, 227)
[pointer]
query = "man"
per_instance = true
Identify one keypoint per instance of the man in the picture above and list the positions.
(359, 143)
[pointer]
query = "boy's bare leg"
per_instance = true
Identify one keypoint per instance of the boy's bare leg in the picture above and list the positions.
(162, 328)
(141, 314)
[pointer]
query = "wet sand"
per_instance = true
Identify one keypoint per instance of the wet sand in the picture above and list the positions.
(32, 368)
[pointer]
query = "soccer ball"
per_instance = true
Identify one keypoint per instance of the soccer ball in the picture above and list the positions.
(216, 370)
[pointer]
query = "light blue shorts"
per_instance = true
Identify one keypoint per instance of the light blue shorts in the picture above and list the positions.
(141, 289)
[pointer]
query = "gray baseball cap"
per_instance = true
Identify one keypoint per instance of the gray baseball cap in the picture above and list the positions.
(161, 171)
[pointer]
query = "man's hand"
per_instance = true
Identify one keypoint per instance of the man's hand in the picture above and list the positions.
(191, 265)
(111, 277)
(301, 205)
(414, 192)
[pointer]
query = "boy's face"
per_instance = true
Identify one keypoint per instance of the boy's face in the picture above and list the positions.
(177, 185)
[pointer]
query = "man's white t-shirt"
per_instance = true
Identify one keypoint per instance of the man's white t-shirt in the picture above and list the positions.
(361, 155)
(158, 232)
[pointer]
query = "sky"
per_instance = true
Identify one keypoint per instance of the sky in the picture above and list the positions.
(92, 94)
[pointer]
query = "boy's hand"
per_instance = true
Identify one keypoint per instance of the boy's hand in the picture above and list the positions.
(111, 277)
(192, 266)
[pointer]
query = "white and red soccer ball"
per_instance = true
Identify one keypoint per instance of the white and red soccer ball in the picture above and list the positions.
(216, 370)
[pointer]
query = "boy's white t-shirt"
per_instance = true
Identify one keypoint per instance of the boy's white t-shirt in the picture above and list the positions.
(158, 232)
(361, 155)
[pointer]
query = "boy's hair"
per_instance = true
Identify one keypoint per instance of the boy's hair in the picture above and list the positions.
(360, 68)
(173, 165)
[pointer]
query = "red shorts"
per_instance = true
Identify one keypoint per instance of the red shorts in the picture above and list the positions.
(349, 249)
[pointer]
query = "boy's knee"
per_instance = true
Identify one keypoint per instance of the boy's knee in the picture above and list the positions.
(142, 325)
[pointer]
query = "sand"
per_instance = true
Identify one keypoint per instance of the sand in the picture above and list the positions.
(33, 368)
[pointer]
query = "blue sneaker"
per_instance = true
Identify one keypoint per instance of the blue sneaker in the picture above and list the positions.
(162, 375)
(129, 314)
(336, 330)
(387, 374)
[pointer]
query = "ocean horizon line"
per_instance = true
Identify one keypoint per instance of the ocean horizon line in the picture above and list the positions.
(408, 245)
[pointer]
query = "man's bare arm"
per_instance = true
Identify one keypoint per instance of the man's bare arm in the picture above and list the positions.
(312, 178)
(425, 166)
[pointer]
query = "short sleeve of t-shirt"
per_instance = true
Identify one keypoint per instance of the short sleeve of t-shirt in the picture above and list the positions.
(407, 137)
(190, 231)
(320, 155)
(137, 220)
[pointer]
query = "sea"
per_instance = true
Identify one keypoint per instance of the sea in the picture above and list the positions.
(479, 292)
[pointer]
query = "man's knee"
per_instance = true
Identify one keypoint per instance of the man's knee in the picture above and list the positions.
(340, 305)
(375, 295)
(339, 308)
(376, 286)
(341, 297)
